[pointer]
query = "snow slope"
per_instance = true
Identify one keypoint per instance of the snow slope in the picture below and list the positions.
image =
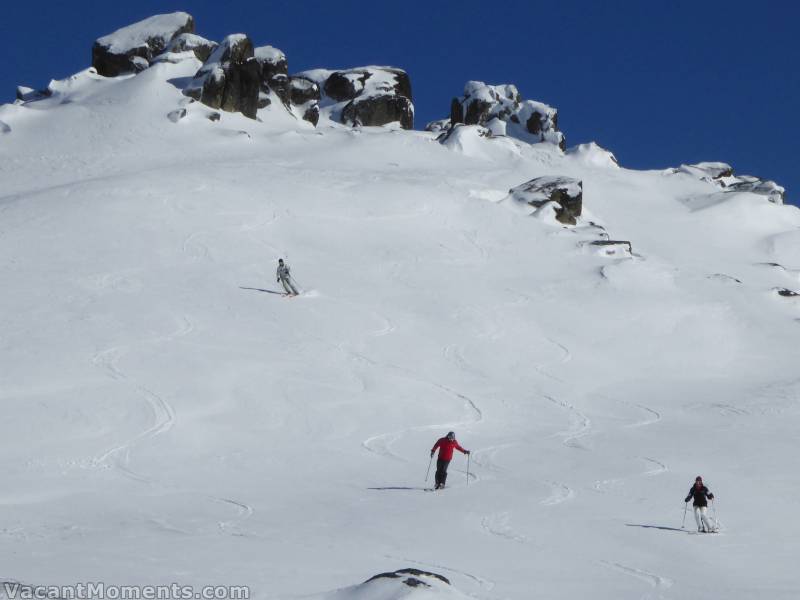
(169, 418)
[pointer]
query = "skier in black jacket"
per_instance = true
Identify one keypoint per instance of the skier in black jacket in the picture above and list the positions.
(701, 496)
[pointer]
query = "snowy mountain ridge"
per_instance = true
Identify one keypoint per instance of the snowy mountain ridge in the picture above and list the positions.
(596, 336)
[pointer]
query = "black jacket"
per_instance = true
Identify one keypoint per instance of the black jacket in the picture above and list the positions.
(700, 494)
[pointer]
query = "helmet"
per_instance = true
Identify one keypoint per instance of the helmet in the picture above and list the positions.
(451, 435)
(280, 261)
(698, 478)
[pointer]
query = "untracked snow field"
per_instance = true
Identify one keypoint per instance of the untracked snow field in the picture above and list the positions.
(168, 416)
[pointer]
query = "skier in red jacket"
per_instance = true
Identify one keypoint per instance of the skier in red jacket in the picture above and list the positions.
(446, 445)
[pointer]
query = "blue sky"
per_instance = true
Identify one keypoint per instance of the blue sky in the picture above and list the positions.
(657, 82)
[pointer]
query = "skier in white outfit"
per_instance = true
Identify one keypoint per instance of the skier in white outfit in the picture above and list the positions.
(285, 278)
(701, 496)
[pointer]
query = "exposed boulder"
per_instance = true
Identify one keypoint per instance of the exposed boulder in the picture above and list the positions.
(565, 192)
(369, 96)
(230, 78)
(787, 293)
(379, 110)
(721, 175)
(502, 110)
(130, 49)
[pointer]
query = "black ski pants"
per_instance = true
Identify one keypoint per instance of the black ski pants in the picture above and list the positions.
(441, 471)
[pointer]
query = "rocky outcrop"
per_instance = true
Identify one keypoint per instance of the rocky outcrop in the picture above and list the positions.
(502, 110)
(368, 96)
(299, 95)
(230, 78)
(722, 175)
(200, 46)
(565, 193)
(130, 49)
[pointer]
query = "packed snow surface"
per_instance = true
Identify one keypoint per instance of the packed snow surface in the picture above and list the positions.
(168, 416)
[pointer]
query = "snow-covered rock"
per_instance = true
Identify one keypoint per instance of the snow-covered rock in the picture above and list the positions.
(131, 48)
(230, 78)
(4, 127)
(503, 111)
(369, 96)
(722, 175)
(198, 45)
(26, 94)
(403, 584)
(565, 192)
(593, 155)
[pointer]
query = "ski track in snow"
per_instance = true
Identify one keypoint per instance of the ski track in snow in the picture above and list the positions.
(497, 524)
(561, 492)
(194, 248)
(162, 411)
(381, 443)
(655, 417)
(580, 425)
(658, 469)
(245, 511)
(658, 582)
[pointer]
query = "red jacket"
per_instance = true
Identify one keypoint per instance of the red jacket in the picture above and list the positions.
(446, 447)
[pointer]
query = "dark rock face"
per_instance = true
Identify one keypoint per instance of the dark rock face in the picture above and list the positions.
(566, 192)
(130, 49)
(345, 85)
(230, 79)
(302, 90)
(379, 110)
(502, 110)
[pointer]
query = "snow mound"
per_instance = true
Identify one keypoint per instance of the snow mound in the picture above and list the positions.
(593, 155)
(471, 140)
(131, 48)
(411, 584)
(502, 110)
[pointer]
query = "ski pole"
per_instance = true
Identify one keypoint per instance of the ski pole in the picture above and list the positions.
(430, 462)
(468, 456)
(685, 508)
